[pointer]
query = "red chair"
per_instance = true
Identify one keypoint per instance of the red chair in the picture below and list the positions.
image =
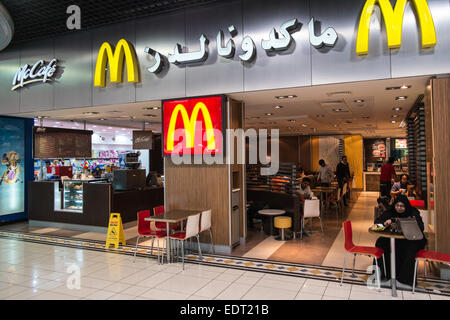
(429, 256)
(417, 203)
(145, 231)
(361, 250)
(162, 225)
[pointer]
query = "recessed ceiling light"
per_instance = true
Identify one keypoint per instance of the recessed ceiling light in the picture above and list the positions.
(395, 116)
(304, 125)
(269, 114)
(102, 119)
(90, 113)
(397, 108)
(401, 98)
(286, 97)
(359, 100)
(337, 109)
(405, 86)
(393, 121)
(292, 120)
(42, 117)
(278, 107)
(151, 108)
(320, 115)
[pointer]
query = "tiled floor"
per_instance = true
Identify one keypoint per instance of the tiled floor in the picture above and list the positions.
(41, 271)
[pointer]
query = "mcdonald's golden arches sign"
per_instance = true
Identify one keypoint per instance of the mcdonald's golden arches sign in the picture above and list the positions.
(193, 126)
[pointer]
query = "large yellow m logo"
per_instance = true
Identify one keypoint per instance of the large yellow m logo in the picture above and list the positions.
(393, 19)
(189, 126)
(115, 60)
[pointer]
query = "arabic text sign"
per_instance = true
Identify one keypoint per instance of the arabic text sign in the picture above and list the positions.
(193, 126)
(39, 72)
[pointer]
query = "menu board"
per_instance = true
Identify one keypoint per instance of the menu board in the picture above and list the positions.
(375, 150)
(50, 143)
(401, 144)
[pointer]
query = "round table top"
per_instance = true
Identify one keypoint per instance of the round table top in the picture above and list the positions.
(271, 212)
(387, 234)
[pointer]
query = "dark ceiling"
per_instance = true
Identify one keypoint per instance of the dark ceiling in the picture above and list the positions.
(36, 19)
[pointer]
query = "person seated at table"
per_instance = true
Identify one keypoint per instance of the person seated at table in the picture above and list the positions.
(405, 250)
(305, 191)
(400, 187)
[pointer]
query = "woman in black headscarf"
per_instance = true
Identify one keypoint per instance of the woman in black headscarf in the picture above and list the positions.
(405, 250)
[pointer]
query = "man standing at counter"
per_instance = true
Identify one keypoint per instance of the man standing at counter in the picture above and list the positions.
(386, 177)
(343, 175)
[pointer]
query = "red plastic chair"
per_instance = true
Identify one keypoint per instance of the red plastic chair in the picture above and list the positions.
(145, 231)
(417, 203)
(351, 248)
(162, 225)
(429, 256)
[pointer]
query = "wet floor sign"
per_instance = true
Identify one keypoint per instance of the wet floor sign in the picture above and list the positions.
(115, 231)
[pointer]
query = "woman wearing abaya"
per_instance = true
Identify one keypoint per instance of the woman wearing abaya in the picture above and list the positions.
(405, 250)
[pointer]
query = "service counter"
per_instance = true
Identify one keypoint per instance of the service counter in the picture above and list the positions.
(371, 180)
(89, 203)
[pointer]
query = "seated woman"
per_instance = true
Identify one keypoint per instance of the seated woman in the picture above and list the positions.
(405, 250)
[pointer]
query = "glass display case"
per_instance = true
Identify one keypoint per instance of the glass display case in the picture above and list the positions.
(73, 195)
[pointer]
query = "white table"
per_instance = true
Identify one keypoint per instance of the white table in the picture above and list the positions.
(273, 213)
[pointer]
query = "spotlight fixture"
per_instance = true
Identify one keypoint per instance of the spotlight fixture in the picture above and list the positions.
(304, 125)
(359, 101)
(393, 121)
(269, 114)
(401, 98)
(395, 116)
(151, 108)
(42, 117)
(397, 108)
(405, 86)
(278, 107)
(338, 110)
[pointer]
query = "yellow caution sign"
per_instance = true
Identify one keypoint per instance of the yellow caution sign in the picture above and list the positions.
(115, 231)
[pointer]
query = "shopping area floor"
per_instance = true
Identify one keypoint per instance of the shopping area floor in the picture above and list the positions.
(40, 271)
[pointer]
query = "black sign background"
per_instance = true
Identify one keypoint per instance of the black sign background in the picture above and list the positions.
(142, 140)
(52, 143)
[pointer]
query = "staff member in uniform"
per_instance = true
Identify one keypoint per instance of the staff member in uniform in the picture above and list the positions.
(387, 176)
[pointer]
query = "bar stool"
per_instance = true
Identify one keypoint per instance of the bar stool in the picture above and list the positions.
(282, 223)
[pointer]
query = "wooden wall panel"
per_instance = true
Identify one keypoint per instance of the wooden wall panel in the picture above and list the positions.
(441, 147)
(305, 152)
(197, 187)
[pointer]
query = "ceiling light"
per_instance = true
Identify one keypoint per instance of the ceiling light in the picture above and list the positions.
(320, 115)
(359, 100)
(304, 125)
(397, 108)
(292, 120)
(102, 119)
(151, 108)
(393, 121)
(90, 113)
(286, 97)
(42, 117)
(401, 98)
(337, 110)
(269, 114)
(278, 107)
(405, 86)
(366, 117)
(339, 93)
(395, 116)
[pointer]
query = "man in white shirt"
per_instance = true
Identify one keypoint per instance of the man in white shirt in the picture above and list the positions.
(325, 174)
(305, 191)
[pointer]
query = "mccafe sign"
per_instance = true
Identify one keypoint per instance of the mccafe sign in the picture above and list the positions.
(38, 72)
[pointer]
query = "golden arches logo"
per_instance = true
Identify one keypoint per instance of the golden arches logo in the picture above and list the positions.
(189, 126)
(115, 60)
(393, 18)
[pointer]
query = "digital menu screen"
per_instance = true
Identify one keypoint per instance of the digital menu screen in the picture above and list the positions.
(401, 144)
(12, 164)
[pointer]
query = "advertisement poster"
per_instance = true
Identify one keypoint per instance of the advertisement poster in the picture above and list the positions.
(12, 164)
(379, 149)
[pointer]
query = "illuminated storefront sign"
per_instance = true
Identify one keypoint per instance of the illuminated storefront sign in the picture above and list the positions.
(115, 60)
(39, 72)
(393, 19)
(277, 41)
(193, 126)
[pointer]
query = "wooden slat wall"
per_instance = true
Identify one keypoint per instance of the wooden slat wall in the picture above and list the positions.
(441, 125)
(197, 187)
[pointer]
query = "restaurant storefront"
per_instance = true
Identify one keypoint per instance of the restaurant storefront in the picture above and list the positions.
(288, 51)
